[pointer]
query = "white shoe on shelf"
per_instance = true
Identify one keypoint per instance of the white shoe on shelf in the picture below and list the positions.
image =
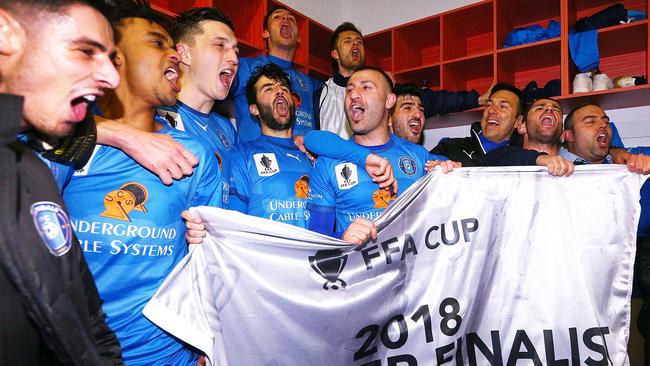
(602, 82)
(582, 83)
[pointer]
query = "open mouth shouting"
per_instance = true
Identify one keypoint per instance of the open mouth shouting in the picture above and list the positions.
(171, 74)
(226, 76)
(281, 107)
(415, 126)
(356, 111)
(286, 31)
(355, 53)
(80, 105)
(603, 140)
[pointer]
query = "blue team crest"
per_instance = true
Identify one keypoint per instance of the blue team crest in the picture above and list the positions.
(223, 139)
(53, 226)
(407, 164)
(301, 83)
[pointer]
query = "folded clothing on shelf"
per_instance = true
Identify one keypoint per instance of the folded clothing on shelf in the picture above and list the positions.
(533, 33)
(612, 15)
(532, 92)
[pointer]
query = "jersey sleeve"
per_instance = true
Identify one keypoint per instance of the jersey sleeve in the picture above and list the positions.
(331, 145)
(240, 181)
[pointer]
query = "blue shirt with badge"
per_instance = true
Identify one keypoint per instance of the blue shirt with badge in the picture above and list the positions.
(345, 189)
(248, 126)
(213, 130)
(271, 179)
(130, 229)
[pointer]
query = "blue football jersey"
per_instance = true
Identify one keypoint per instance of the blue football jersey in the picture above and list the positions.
(213, 130)
(342, 187)
(130, 229)
(271, 178)
(302, 85)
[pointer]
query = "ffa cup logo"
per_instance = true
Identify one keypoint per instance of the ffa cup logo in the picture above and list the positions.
(329, 264)
(302, 187)
(173, 118)
(119, 203)
(382, 198)
(346, 175)
(407, 165)
(53, 225)
(267, 164)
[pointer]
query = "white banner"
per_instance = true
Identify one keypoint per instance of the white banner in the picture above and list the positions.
(483, 266)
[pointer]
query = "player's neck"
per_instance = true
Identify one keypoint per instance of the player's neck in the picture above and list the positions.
(275, 133)
(551, 149)
(196, 100)
(286, 54)
(377, 137)
(136, 113)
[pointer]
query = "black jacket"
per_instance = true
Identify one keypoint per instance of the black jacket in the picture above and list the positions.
(55, 293)
(468, 150)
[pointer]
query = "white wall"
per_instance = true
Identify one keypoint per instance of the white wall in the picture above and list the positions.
(633, 125)
(371, 15)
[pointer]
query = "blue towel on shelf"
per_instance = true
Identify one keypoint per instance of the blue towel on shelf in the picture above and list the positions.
(584, 49)
(532, 33)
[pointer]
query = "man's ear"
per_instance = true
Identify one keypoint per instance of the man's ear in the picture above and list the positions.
(568, 136)
(334, 54)
(253, 109)
(390, 100)
(118, 59)
(184, 51)
(521, 128)
(12, 34)
(266, 35)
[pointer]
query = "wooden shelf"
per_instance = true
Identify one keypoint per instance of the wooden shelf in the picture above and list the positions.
(319, 48)
(468, 31)
(420, 76)
(515, 65)
(512, 14)
(378, 50)
(417, 44)
(473, 73)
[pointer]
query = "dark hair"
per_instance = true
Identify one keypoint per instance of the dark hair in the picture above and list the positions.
(32, 7)
(568, 121)
(188, 24)
(271, 71)
(389, 82)
(521, 105)
(271, 11)
(130, 9)
(344, 27)
(405, 89)
(530, 106)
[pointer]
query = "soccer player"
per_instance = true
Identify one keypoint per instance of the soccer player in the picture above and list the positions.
(206, 43)
(348, 54)
(504, 111)
(281, 34)
(128, 222)
(55, 57)
(407, 115)
(271, 176)
(343, 199)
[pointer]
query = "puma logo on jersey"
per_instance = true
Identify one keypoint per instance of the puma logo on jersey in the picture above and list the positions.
(469, 155)
(297, 157)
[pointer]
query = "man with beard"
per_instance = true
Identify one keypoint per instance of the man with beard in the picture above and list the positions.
(129, 223)
(407, 115)
(270, 174)
(55, 58)
(282, 37)
(343, 200)
(206, 43)
(348, 54)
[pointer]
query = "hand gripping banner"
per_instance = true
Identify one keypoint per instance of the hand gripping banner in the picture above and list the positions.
(483, 266)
